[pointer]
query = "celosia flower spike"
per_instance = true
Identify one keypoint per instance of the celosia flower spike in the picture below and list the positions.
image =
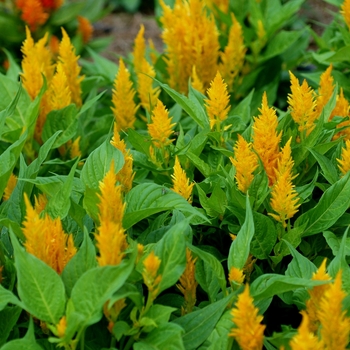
(302, 104)
(11, 184)
(124, 108)
(266, 139)
(217, 105)
(344, 161)
(335, 325)
(33, 13)
(139, 49)
(188, 284)
(248, 330)
(245, 162)
(236, 275)
(325, 90)
(345, 11)
(85, 29)
(181, 183)
(284, 198)
(196, 82)
(150, 275)
(160, 129)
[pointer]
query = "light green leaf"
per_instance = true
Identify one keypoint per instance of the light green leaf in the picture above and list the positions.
(8, 318)
(329, 171)
(7, 297)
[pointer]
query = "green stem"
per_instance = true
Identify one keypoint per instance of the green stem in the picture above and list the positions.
(129, 343)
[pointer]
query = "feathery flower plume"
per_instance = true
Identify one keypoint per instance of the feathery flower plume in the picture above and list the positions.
(344, 161)
(85, 29)
(61, 327)
(52, 4)
(222, 5)
(236, 275)
(232, 58)
(284, 198)
(304, 339)
(111, 238)
(33, 13)
(74, 150)
(139, 49)
(316, 295)
(217, 105)
(196, 82)
(160, 129)
(150, 274)
(113, 312)
(188, 284)
(181, 183)
(345, 11)
(11, 184)
(40, 203)
(341, 109)
(266, 140)
(126, 175)
(249, 332)
(70, 67)
(245, 162)
(335, 325)
(125, 108)
(325, 90)
(302, 104)
(46, 239)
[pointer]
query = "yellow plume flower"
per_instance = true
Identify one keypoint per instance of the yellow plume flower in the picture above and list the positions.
(341, 109)
(335, 325)
(126, 175)
(302, 104)
(345, 11)
(46, 239)
(181, 183)
(316, 295)
(304, 339)
(11, 184)
(33, 13)
(284, 198)
(61, 327)
(232, 58)
(196, 82)
(150, 274)
(266, 140)
(222, 5)
(160, 129)
(188, 284)
(139, 49)
(248, 330)
(40, 202)
(325, 90)
(236, 275)
(217, 105)
(74, 150)
(124, 108)
(111, 238)
(71, 68)
(245, 162)
(344, 161)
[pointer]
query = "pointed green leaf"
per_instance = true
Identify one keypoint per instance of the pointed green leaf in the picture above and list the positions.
(8, 319)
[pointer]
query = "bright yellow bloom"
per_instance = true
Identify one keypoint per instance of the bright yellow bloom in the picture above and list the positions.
(111, 238)
(61, 327)
(342, 109)
(71, 68)
(58, 94)
(125, 175)
(266, 139)
(11, 184)
(74, 150)
(160, 129)
(46, 239)
(236, 275)
(344, 161)
(284, 198)
(232, 58)
(125, 108)
(191, 39)
(305, 339)
(150, 274)
(33, 13)
(217, 105)
(345, 11)
(302, 104)
(85, 29)
(249, 332)
(196, 82)
(325, 90)
(40, 203)
(245, 162)
(139, 49)
(188, 284)
(222, 5)
(316, 295)
(181, 183)
(335, 325)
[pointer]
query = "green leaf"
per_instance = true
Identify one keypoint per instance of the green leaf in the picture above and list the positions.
(40, 288)
(199, 324)
(160, 313)
(219, 336)
(240, 247)
(82, 261)
(64, 119)
(200, 164)
(27, 343)
(171, 249)
(7, 297)
(147, 199)
(205, 276)
(8, 319)
(191, 108)
(66, 13)
(329, 171)
(299, 266)
(130, 291)
(243, 108)
(96, 286)
(331, 206)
